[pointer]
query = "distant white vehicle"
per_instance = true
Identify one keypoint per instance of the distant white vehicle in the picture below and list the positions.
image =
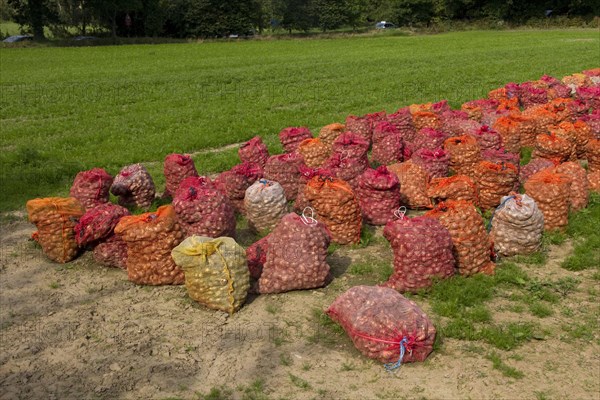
(17, 38)
(384, 25)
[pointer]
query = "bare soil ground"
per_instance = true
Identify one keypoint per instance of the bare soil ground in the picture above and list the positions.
(82, 331)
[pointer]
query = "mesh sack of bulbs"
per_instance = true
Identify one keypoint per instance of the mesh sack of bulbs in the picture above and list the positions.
(351, 145)
(458, 123)
(256, 256)
(265, 205)
(387, 144)
(176, 168)
(234, 182)
(413, 184)
(296, 256)
(150, 237)
(551, 193)
(579, 188)
(202, 209)
(284, 169)
(306, 174)
(337, 207)
(215, 269)
(330, 132)
(570, 136)
(594, 181)
(112, 252)
(509, 129)
(98, 223)
(494, 180)
(359, 126)
(487, 138)
(254, 151)
(422, 250)
(457, 187)
(472, 247)
(346, 168)
(384, 325)
(434, 162)
(314, 152)
(425, 119)
(402, 120)
(553, 147)
(517, 226)
(427, 138)
(134, 186)
(291, 138)
(464, 154)
(91, 187)
(592, 151)
(378, 193)
(533, 167)
(55, 219)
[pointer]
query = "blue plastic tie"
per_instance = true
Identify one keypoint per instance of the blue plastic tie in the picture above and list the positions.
(389, 367)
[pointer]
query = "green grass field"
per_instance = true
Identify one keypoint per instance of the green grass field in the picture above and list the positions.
(68, 109)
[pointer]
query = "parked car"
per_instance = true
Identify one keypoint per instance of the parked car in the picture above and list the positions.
(17, 38)
(384, 25)
(79, 38)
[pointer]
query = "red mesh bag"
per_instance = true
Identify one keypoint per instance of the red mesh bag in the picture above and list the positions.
(91, 188)
(360, 126)
(387, 144)
(351, 145)
(593, 122)
(531, 96)
(283, 169)
(590, 95)
(494, 180)
(457, 125)
(402, 120)
(378, 192)
(314, 151)
(254, 151)
(337, 207)
(111, 253)
(489, 118)
(594, 181)
(464, 154)
(434, 162)
(291, 138)
(592, 152)
(98, 223)
(509, 129)
(296, 258)
(427, 139)
(578, 109)
(330, 132)
(413, 184)
(533, 167)
(593, 72)
(256, 256)
(55, 219)
(471, 242)
(233, 183)
(346, 168)
(457, 187)
(134, 186)
(384, 325)
(551, 193)
(306, 174)
(487, 138)
(203, 210)
(177, 167)
(578, 194)
(150, 237)
(552, 147)
(422, 251)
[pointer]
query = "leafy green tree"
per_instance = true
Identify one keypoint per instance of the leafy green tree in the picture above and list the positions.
(330, 14)
(409, 12)
(34, 14)
(111, 13)
(296, 14)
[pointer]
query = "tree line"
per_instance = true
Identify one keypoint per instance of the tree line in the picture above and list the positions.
(218, 18)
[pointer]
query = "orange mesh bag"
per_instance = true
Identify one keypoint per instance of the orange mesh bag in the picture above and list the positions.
(533, 167)
(578, 195)
(511, 105)
(494, 181)
(594, 181)
(592, 152)
(384, 325)
(551, 193)
(583, 134)
(509, 129)
(150, 237)
(576, 80)
(457, 187)
(560, 108)
(425, 119)
(330, 132)
(541, 118)
(566, 131)
(472, 246)
(552, 147)
(464, 154)
(314, 151)
(413, 184)
(55, 219)
(473, 111)
(337, 207)
(91, 187)
(498, 94)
